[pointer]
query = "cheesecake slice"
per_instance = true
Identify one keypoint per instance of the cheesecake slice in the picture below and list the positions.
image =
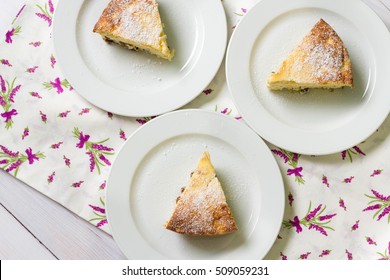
(135, 24)
(202, 208)
(319, 61)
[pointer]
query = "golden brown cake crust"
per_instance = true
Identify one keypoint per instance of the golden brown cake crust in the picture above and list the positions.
(135, 24)
(107, 22)
(202, 208)
(320, 60)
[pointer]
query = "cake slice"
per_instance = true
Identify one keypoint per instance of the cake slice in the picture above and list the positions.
(202, 208)
(319, 61)
(135, 24)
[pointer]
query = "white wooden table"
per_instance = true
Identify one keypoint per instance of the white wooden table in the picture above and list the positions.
(33, 226)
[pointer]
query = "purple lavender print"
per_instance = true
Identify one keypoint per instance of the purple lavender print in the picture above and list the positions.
(386, 254)
(35, 94)
(376, 172)
(351, 152)
(50, 178)
(53, 61)
(292, 160)
(12, 32)
(7, 98)
(26, 132)
(11, 161)
(18, 14)
(57, 84)
(96, 151)
(325, 253)
(342, 204)
(349, 255)
(325, 181)
(100, 213)
(35, 44)
(313, 220)
(63, 114)
(122, 135)
(370, 241)
(77, 185)
(144, 120)
(380, 204)
(45, 12)
(5, 62)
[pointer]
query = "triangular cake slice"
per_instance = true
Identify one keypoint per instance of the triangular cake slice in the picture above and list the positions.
(135, 24)
(202, 208)
(319, 61)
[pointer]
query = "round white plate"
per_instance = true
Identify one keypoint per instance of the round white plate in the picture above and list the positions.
(156, 162)
(137, 83)
(319, 122)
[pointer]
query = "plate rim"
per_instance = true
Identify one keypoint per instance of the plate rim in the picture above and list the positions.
(327, 143)
(279, 183)
(206, 65)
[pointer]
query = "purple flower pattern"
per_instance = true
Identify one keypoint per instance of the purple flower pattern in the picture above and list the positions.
(102, 186)
(77, 185)
(122, 135)
(324, 253)
(354, 151)
(18, 14)
(96, 151)
(313, 220)
(380, 203)
(11, 33)
(348, 180)
(67, 161)
(64, 114)
(342, 204)
(290, 199)
(386, 254)
(35, 44)
(292, 160)
(32, 69)
(12, 161)
(7, 100)
(5, 62)
(50, 178)
(58, 85)
(376, 172)
(370, 241)
(35, 94)
(207, 91)
(84, 111)
(355, 226)
(325, 181)
(43, 117)
(99, 213)
(45, 12)
(304, 256)
(26, 132)
(56, 146)
(349, 255)
(53, 61)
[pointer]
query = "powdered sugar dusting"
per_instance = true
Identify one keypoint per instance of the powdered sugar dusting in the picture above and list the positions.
(139, 21)
(198, 207)
(320, 55)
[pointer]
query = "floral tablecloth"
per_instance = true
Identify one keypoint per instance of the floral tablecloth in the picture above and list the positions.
(337, 206)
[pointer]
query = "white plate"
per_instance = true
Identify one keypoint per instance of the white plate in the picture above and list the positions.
(136, 83)
(156, 162)
(319, 122)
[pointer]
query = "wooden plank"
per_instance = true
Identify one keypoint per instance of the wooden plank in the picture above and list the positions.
(17, 243)
(65, 234)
